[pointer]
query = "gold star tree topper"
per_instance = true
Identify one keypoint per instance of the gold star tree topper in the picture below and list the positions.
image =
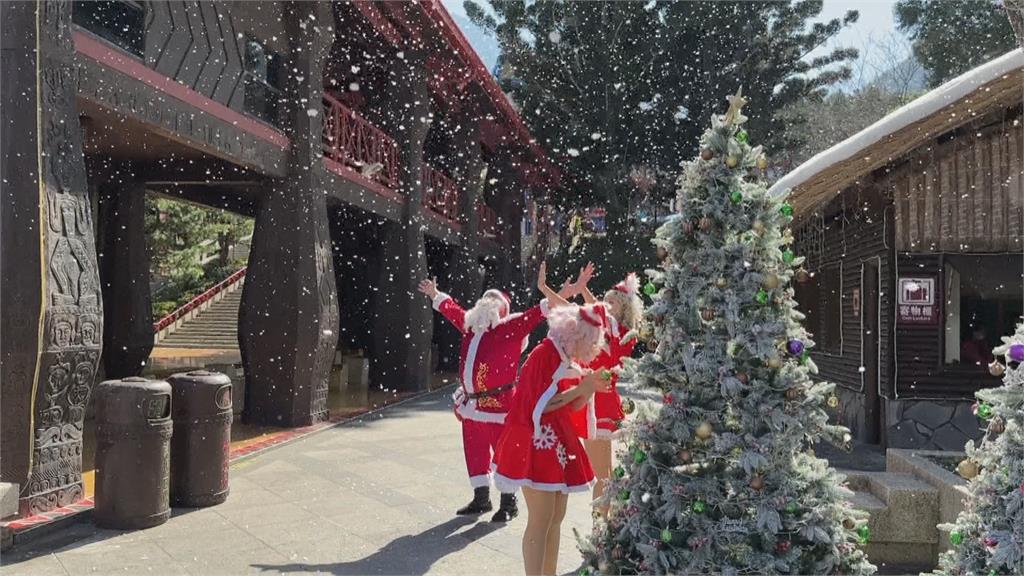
(736, 102)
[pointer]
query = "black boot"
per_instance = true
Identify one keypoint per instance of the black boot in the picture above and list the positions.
(507, 510)
(481, 502)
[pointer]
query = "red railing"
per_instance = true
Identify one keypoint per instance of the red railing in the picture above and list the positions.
(440, 194)
(197, 301)
(353, 142)
(488, 222)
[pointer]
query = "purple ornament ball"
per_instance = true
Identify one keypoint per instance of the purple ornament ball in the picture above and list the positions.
(1016, 352)
(795, 347)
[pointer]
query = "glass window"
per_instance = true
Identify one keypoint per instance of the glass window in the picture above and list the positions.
(983, 302)
(118, 22)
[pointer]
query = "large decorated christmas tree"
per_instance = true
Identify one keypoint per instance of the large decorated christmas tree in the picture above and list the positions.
(721, 478)
(988, 536)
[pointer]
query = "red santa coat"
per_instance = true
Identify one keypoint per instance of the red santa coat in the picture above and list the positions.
(537, 449)
(600, 417)
(488, 360)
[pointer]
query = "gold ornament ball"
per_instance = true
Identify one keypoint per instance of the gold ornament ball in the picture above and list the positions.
(802, 276)
(762, 162)
(967, 468)
(849, 523)
(771, 281)
(705, 224)
(833, 401)
(742, 377)
(706, 154)
(757, 226)
(794, 393)
(996, 369)
(757, 482)
(707, 314)
(732, 161)
(775, 363)
(704, 431)
(997, 426)
(721, 283)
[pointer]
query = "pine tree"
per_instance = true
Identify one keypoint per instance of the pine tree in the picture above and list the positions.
(720, 479)
(988, 536)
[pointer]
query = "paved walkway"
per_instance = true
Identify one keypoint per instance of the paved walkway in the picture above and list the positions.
(375, 496)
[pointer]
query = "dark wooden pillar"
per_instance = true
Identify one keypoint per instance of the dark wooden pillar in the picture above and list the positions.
(402, 318)
(465, 277)
(509, 206)
(52, 316)
(289, 313)
(124, 274)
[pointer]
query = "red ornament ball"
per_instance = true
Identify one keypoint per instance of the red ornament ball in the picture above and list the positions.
(782, 546)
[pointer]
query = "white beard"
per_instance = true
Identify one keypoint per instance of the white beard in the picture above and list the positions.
(486, 314)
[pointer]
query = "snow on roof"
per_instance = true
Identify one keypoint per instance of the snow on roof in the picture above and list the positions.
(927, 105)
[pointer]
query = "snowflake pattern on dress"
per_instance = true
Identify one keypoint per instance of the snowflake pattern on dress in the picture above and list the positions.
(545, 439)
(563, 458)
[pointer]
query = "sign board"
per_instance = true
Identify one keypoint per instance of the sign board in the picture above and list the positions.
(916, 301)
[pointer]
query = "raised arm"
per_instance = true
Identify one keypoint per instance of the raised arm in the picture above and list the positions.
(579, 395)
(444, 304)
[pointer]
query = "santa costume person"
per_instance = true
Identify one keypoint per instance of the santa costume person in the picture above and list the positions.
(540, 449)
(604, 412)
(493, 340)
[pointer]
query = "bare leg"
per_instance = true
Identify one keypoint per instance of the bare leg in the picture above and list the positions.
(555, 534)
(600, 453)
(540, 511)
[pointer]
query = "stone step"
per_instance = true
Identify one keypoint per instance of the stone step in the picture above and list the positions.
(8, 499)
(909, 507)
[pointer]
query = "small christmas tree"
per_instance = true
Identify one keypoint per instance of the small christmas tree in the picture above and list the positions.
(988, 536)
(721, 479)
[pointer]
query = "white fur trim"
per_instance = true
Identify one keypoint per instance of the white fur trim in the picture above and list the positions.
(545, 307)
(526, 344)
(591, 418)
(470, 362)
(480, 481)
(546, 397)
(613, 326)
(439, 299)
(506, 484)
(469, 411)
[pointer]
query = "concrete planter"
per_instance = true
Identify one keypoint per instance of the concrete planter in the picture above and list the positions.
(922, 465)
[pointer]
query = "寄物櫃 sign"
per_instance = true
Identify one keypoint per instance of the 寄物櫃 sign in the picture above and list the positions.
(916, 301)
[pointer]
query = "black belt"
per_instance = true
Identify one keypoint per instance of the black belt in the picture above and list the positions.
(491, 392)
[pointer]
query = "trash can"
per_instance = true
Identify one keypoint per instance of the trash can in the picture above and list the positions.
(133, 433)
(201, 445)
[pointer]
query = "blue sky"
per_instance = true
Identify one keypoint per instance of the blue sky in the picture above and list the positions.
(876, 23)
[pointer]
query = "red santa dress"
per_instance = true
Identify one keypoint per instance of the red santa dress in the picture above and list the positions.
(605, 408)
(488, 365)
(541, 450)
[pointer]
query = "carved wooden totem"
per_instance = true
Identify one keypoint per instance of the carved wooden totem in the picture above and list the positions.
(68, 338)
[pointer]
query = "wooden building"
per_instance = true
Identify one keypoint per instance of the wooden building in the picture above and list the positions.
(357, 134)
(913, 232)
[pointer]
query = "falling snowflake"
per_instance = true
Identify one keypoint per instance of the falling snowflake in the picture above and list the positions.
(555, 36)
(354, 87)
(545, 438)
(682, 113)
(595, 136)
(573, 152)
(563, 458)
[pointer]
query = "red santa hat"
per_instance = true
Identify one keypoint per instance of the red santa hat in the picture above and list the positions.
(499, 295)
(629, 286)
(594, 315)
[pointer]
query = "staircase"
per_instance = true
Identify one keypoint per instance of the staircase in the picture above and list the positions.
(214, 328)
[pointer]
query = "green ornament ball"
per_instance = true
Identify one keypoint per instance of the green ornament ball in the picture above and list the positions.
(666, 535)
(620, 471)
(736, 197)
(585, 571)
(984, 411)
(786, 209)
(639, 456)
(788, 256)
(863, 534)
(623, 494)
(956, 538)
(790, 508)
(650, 288)
(761, 297)
(804, 357)
(742, 136)
(699, 506)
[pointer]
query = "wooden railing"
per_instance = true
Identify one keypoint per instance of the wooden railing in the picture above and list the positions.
(440, 194)
(488, 222)
(198, 301)
(356, 144)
